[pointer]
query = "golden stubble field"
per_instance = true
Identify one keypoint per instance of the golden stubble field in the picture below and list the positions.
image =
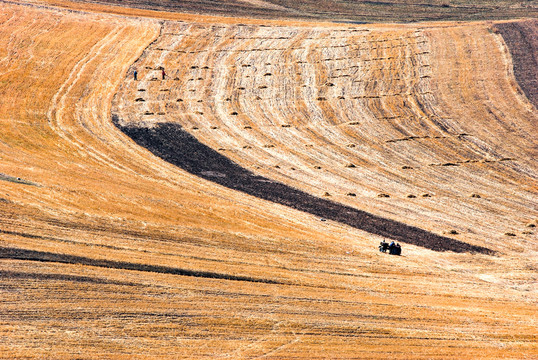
(108, 251)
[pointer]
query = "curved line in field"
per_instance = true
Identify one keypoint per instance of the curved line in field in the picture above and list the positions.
(43, 256)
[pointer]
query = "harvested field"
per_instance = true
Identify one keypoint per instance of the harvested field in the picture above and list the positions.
(404, 112)
(229, 224)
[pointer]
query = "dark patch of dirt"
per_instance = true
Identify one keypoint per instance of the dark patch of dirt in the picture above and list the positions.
(353, 12)
(522, 41)
(173, 144)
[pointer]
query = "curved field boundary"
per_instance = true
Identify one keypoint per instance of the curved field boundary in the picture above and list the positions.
(522, 40)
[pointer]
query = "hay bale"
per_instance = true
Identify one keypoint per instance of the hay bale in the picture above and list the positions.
(139, 100)
(285, 125)
(453, 232)
(234, 113)
(326, 194)
(383, 195)
(476, 196)
(407, 167)
(350, 165)
(426, 195)
(411, 196)
(509, 234)
(351, 194)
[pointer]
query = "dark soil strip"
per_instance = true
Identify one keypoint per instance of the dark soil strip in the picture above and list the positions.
(175, 145)
(522, 40)
(385, 11)
(32, 255)
(62, 277)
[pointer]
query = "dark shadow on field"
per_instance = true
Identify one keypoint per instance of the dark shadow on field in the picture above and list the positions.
(173, 144)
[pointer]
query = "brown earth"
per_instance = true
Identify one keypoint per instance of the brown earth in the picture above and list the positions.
(108, 251)
(522, 41)
(344, 11)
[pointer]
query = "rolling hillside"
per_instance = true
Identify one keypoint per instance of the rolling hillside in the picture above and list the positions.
(233, 209)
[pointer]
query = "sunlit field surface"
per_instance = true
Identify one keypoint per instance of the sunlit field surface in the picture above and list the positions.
(233, 209)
